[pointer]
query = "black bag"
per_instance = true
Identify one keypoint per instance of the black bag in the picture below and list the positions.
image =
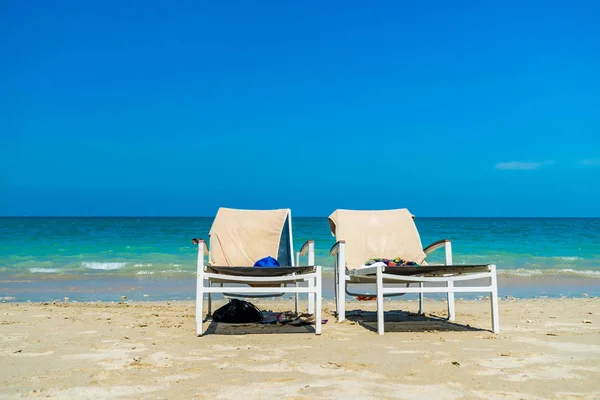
(237, 311)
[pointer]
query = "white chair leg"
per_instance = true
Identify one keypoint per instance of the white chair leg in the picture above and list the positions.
(335, 291)
(380, 321)
(341, 299)
(297, 299)
(199, 315)
(494, 301)
(421, 299)
(311, 296)
(340, 267)
(451, 313)
(319, 298)
(209, 300)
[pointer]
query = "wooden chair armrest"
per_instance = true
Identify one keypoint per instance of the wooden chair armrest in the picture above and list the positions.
(435, 245)
(197, 241)
(336, 247)
(304, 248)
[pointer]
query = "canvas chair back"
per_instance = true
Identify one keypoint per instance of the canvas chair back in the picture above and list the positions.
(238, 238)
(377, 234)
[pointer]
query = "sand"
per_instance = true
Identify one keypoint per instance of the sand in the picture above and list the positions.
(548, 348)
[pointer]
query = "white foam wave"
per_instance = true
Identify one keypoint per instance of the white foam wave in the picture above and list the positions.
(570, 258)
(106, 266)
(552, 272)
(168, 271)
(43, 270)
(142, 265)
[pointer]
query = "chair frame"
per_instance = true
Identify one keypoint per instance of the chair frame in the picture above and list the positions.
(448, 275)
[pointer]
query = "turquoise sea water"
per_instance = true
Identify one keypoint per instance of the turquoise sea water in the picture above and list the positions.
(50, 249)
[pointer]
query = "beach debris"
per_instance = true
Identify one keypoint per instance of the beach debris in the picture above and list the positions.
(505, 355)
(584, 295)
(123, 297)
(136, 359)
(18, 351)
(456, 363)
(366, 298)
(551, 334)
(335, 364)
(529, 321)
(125, 337)
(587, 321)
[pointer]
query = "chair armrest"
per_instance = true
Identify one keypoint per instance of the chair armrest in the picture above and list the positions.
(201, 241)
(435, 245)
(336, 247)
(305, 246)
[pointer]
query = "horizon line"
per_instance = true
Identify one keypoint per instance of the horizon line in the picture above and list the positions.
(298, 216)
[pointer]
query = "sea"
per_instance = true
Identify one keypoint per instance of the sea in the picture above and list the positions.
(153, 258)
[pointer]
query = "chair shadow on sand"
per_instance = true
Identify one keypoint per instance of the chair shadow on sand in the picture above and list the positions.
(222, 328)
(405, 321)
(395, 321)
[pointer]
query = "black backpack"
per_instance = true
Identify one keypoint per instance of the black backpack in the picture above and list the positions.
(237, 311)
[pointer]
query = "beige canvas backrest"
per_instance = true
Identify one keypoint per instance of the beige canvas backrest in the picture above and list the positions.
(241, 237)
(377, 234)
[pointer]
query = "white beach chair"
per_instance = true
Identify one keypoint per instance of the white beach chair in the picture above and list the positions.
(362, 235)
(238, 238)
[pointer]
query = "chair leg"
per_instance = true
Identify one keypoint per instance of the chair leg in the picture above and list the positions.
(199, 315)
(494, 301)
(209, 301)
(335, 293)
(319, 298)
(311, 296)
(421, 299)
(451, 313)
(380, 321)
(341, 299)
(297, 299)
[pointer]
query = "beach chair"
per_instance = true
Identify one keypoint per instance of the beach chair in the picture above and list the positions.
(363, 235)
(238, 238)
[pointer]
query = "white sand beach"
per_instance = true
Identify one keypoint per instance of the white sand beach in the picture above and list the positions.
(548, 348)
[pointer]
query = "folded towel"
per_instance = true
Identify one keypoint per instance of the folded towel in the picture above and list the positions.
(375, 264)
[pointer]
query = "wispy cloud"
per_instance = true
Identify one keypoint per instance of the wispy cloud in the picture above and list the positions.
(591, 162)
(520, 165)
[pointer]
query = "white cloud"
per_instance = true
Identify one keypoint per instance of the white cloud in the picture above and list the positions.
(520, 165)
(591, 162)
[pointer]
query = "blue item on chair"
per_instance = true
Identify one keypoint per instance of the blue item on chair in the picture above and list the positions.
(267, 262)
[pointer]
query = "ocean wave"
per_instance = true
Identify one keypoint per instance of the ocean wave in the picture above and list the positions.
(105, 266)
(550, 272)
(43, 270)
(169, 271)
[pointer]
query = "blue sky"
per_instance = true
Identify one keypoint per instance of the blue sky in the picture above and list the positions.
(463, 108)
